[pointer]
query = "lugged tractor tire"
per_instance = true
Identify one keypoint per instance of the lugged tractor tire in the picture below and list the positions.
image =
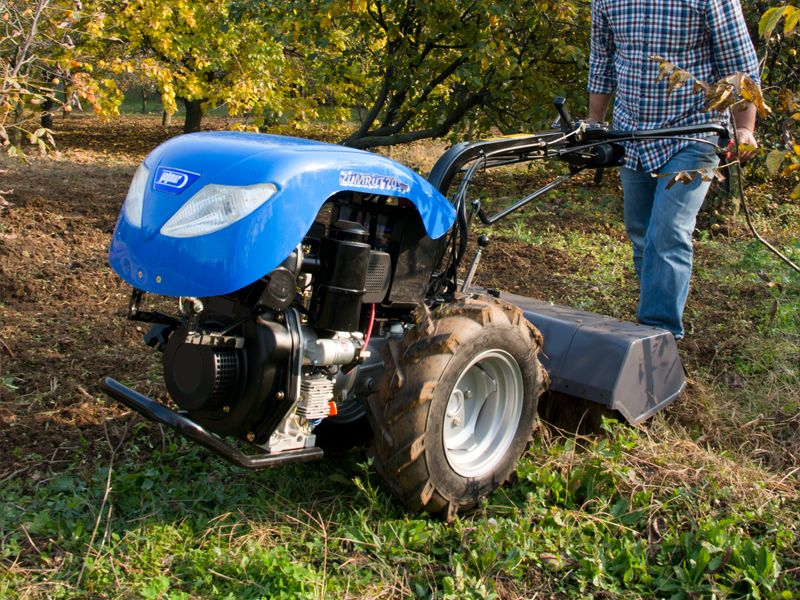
(437, 445)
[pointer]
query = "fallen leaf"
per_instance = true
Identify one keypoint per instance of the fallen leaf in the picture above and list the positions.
(655, 534)
(774, 161)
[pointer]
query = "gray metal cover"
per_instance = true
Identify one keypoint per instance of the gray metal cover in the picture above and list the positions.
(628, 367)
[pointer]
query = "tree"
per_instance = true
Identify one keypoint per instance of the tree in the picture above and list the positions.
(204, 53)
(782, 79)
(38, 55)
(414, 70)
(405, 69)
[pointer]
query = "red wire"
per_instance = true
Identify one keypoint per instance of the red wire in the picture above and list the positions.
(369, 329)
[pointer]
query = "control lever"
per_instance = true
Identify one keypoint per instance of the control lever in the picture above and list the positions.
(598, 176)
(483, 241)
(565, 119)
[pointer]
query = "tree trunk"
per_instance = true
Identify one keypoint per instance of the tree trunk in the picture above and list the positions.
(47, 113)
(166, 119)
(144, 93)
(194, 115)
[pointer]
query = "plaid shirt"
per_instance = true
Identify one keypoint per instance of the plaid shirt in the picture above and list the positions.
(707, 38)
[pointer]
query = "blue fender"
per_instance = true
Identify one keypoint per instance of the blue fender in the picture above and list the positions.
(306, 174)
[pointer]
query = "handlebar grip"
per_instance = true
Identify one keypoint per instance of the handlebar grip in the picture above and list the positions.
(667, 132)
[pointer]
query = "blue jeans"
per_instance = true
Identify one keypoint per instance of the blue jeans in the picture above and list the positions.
(660, 223)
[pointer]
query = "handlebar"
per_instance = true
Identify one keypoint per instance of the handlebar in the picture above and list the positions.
(666, 132)
(582, 146)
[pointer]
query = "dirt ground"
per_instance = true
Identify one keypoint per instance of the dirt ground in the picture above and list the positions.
(61, 307)
(62, 325)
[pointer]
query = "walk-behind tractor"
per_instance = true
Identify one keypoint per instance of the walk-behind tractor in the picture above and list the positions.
(319, 287)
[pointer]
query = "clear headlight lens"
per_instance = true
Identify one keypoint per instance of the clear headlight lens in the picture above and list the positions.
(215, 207)
(135, 198)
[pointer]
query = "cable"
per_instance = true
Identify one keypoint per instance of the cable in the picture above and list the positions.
(369, 328)
(742, 197)
(460, 237)
(749, 220)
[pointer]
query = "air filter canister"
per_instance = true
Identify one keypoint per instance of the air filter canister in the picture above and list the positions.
(344, 258)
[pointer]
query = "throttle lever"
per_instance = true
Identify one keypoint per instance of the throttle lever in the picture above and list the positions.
(565, 119)
(727, 143)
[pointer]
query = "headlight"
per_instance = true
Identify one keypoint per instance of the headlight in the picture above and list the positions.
(215, 207)
(135, 198)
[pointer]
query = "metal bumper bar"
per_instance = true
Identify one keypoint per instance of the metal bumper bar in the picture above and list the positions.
(156, 411)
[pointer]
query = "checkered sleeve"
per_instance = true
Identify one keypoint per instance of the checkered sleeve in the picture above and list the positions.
(602, 74)
(732, 47)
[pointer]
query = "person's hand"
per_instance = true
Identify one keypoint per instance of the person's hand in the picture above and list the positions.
(747, 138)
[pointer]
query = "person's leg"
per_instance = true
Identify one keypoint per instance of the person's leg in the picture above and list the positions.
(638, 189)
(667, 257)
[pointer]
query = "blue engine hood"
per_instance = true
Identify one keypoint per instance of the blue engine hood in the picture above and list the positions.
(306, 173)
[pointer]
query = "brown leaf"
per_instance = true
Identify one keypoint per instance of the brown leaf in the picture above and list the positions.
(700, 86)
(678, 79)
(707, 175)
(735, 80)
(655, 534)
(665, 68)
(786, 101)
(550, 560)
(773, 310)
(750, 91)
(726, 557)
(681, 177)
(720, 99)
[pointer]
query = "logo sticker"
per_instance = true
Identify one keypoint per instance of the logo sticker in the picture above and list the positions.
(173, 181)
(383, 183)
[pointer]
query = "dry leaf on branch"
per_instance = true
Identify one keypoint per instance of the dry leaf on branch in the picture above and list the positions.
(681, 177)
(721, 95)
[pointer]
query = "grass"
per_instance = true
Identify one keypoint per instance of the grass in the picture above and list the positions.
(132, 104)
(583, 517)
(703, 501)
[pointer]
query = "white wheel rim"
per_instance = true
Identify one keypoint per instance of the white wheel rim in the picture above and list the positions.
(483, 413)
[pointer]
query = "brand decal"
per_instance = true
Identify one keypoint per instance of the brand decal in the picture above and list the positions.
(384, 183)
(173, 181)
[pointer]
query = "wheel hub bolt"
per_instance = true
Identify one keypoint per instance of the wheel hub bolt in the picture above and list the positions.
(455, 404)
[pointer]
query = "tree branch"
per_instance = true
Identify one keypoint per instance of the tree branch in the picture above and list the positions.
(391, 126)
(461, 109)
(377, 106)
(20, 58)
(377, 17)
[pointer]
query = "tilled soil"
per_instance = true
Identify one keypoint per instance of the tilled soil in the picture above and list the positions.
(61, 306)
